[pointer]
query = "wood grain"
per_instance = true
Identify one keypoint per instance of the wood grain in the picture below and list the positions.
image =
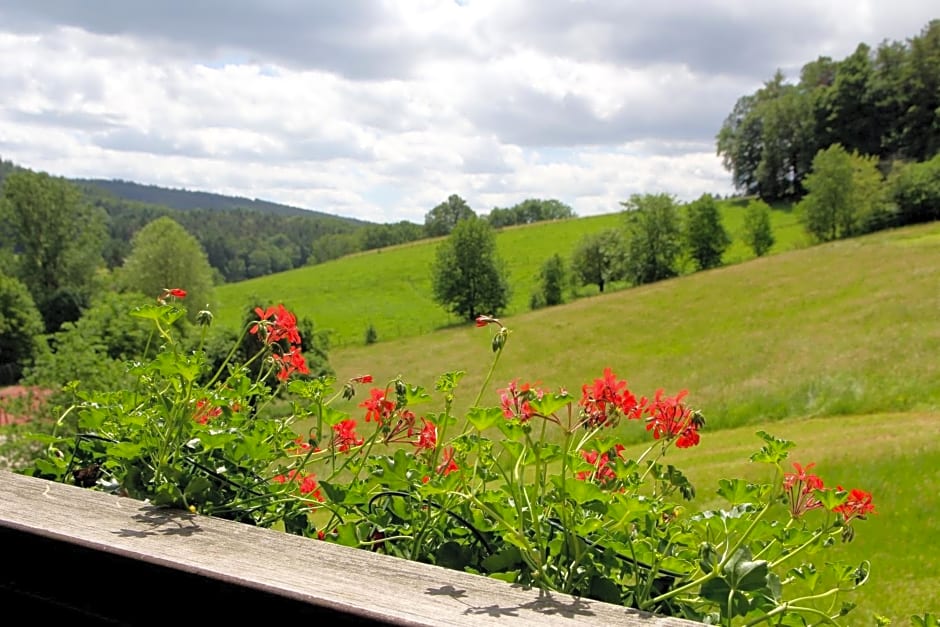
(356, 583)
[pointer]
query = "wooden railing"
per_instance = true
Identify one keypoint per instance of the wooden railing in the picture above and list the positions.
(71, 554)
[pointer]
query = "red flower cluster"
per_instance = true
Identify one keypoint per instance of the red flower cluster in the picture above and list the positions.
(603, 472)
(378, 407)
(606, 399)
(289, 363)
(858, 505)
(669, 418)
(344, 435)
(308, 483)
(799, 487)
(204, 411)
(277, 324)
(427, 439)
(515, 400)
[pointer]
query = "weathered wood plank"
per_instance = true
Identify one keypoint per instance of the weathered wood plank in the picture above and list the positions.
(359, 585)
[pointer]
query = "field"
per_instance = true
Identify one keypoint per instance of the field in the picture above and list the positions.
(391, 288)
(833, 346)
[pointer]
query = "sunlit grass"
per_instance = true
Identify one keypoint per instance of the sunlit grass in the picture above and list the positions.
(391, 288)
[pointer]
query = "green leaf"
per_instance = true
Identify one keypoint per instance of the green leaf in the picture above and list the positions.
(482, 418)
(581, 491)
(743, 573)
(502, 560)
(738, 491)
(550, 403)
(774, 450)
(927, 620)
(718, 590)
(508, 577)
(197, 490)
(167, 494)
(448, 381)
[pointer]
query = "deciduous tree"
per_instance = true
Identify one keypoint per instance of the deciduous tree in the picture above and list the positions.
(442, 219)
(598, 258)
(57, 239)
(758, 233)
(468, 277)
(165, 255)
(654, 237)
(705, 235)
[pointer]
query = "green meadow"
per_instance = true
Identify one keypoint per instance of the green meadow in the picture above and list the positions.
(391, 288)
(833, 346)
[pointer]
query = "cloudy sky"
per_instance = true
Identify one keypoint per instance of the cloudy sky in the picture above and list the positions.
(381, 109)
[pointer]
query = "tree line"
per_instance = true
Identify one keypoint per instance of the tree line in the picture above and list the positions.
(882, 102)
(656, 239)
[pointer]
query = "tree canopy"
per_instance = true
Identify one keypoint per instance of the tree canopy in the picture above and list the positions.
(598, 258)
(468, 277)
(166, 256)
(883, 102)
(442, 219)
(705, 236)
(56, 238)
(654, 237)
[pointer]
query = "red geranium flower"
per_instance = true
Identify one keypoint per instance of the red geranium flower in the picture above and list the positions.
(378, 407)
(427, 439)
(858, 505)
(345, 435)
(279, 323)
(800, 486)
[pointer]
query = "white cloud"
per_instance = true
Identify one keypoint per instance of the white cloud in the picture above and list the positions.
(380, 110)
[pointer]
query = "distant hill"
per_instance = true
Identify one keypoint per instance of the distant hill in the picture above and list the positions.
(186, 200)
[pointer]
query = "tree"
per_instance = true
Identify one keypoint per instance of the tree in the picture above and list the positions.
(654, 237)
(165, 255)
(845, 192)
(598, 258)
(21, 329)
(758, 234)
(442, 219)
(915, 188)
(705, 236)
(468, 277)
(57, 239)
(552, 278)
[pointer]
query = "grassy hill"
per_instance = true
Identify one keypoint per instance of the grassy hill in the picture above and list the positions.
(832, 346)
(391, 288)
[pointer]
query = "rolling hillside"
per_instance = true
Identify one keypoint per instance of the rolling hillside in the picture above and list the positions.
(391, 288)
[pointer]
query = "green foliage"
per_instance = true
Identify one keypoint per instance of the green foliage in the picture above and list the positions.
(654, 237)
(529, 211)
(91, 351)
(915, 189)
(57, 239)
(553, 277)
(598, 258)
(758, 232)
(545, 497)
(704, 234)
(442, 219)
(166, 256)
(21, 330)
(845, 194)
(469, 278)
(881, 103)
